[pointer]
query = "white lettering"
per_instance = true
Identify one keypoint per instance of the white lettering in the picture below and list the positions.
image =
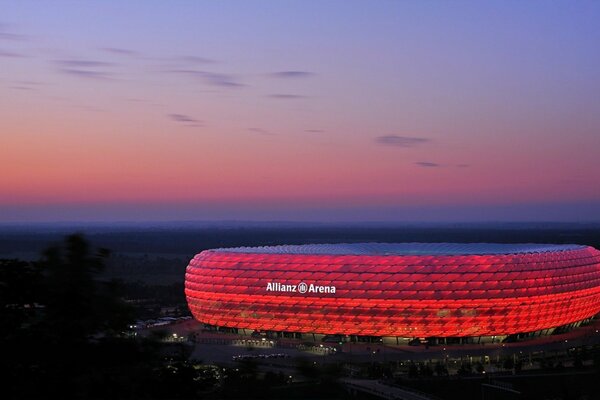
(299, 288)
(280, 287)
(321, 289)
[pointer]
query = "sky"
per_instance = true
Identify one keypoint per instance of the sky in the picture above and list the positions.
(299, 110)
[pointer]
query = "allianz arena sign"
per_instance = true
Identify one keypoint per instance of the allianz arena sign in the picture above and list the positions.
(299, 288)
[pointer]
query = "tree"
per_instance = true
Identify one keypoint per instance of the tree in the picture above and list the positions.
(425, 370)
(413, 370)
(440, 369)
(508, 363)
(465, 369)
(479, 367)
(78, 304)
(60, 325)
(61, 330)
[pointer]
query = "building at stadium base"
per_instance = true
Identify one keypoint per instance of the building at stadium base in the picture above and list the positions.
(396, 292)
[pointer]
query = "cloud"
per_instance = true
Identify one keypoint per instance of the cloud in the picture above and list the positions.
(79, 68)
(181, 118)
(21, 87)
(120, 52)
(462, 165)
(6, 35)
(84, 73)
(314, 130)
(11, 54)
(196, 60)
(291, 74)
(400, 141)
(217, 79)
(25, 85)
(286, 96)
(211, 78)
(427, 164)
(84, 63)
(12, 36)
(185, 119)
(260, 131)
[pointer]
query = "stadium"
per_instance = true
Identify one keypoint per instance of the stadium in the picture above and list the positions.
(397, 292)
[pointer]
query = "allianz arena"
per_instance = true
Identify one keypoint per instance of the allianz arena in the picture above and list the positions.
(397, 290)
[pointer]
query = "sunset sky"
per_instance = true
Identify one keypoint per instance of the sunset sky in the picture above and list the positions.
(298, 110)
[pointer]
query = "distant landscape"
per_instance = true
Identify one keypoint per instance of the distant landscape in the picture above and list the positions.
(157, 253)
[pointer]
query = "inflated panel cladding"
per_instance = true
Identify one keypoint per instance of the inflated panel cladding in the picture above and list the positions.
(396, 295)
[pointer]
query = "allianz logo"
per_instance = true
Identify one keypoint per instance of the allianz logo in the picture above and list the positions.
(299, 288)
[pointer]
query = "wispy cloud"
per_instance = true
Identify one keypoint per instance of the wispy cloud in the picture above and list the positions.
(12, 36)
(25, 85)
(76, 63)
(400, 141)
(7, 35)
(291, 74)
(427, 164)
(195, 60)
(88, 74)
(218, 79)
(286, 96)
(11, 54)
(30, 83)
(260, 131)
(314, 130)
(211, 78)
(89, 69)
(17, 87)
(120, 52)
(185, 119)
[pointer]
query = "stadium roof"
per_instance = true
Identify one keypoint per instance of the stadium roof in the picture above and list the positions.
(406, 248)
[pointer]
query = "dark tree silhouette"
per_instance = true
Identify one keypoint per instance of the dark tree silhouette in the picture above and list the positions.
(62, 334)
(61, 328)
(80, 307)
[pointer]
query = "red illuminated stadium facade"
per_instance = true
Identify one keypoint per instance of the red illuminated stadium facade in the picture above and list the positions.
(400, 291)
